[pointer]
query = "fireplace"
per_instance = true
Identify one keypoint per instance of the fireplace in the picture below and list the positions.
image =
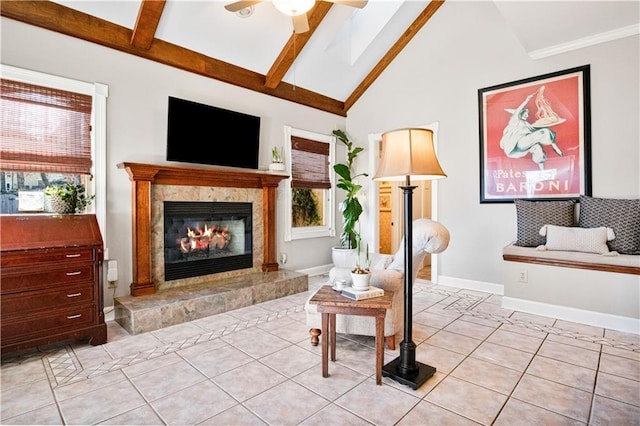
(200, 183)
(202, 238)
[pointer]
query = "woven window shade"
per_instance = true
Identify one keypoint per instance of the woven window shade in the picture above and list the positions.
(309, 164)
(44, 130)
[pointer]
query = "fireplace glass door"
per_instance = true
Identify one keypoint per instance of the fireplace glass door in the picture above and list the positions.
(203, 238)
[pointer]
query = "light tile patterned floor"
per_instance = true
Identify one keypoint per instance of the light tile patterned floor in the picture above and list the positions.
(255, 366)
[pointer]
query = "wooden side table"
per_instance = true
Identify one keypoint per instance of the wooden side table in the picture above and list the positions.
(331, 302)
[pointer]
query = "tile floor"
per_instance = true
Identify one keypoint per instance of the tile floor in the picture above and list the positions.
(255, 366)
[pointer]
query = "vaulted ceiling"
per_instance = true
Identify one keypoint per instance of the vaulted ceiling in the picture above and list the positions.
(330, 66)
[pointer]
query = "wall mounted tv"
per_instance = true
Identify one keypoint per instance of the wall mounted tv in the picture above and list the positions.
(204, 134)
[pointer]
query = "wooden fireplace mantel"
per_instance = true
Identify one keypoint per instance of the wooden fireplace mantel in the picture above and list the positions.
(142, 176)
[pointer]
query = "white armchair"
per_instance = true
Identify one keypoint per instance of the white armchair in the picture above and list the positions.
(387, 272)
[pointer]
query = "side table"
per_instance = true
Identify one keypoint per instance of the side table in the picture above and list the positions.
(330, 303)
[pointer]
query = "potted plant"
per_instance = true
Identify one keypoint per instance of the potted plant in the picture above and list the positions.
(277, 160)
(360, 275)
(350, 207)
(68, 198)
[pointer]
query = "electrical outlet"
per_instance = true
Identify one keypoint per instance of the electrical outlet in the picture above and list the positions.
(523, 277)
(112, 284)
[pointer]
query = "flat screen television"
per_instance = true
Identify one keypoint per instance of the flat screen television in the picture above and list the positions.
(204, 134)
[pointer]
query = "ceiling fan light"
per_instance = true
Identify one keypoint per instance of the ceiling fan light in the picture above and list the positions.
(246, 12)
(293, 7)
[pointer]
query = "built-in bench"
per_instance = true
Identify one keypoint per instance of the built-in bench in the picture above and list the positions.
(588, 288)
(576, 264)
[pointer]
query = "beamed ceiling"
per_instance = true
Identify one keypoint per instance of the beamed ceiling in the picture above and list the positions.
(329, 67)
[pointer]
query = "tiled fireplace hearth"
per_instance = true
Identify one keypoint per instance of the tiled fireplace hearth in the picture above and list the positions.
(156, 302)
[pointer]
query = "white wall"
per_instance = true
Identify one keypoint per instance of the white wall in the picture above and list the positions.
(464, 47)
(137, 125)
(467, 46)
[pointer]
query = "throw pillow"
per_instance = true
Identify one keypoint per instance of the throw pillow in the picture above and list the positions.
(532, 215)
(380, 261)
(621, 215)
(585, 240)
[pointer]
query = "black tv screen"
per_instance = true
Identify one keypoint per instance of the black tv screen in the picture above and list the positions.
(204, 134)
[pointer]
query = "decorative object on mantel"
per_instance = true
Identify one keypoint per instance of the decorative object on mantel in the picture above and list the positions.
(408, 154)
(68, 198)
(277, 160)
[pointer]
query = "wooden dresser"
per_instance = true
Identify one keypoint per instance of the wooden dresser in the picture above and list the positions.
(50, 280)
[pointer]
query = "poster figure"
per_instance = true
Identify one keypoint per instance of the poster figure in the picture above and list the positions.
(520, 138)
(535, 137)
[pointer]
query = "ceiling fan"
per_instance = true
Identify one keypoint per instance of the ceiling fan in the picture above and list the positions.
(297, 9)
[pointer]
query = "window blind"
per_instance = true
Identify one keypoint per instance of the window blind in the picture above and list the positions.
(44, 129)
(309, 164)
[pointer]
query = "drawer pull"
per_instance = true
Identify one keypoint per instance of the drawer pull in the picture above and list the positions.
(69, 274)
(74, 294)
(74, 316)
(74, 255)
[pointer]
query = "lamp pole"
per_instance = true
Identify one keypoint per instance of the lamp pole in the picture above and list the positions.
(405, 369)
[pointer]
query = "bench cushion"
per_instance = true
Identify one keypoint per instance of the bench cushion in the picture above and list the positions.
(625, 261)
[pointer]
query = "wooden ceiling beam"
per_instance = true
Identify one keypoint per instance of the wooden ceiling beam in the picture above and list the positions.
(294, 45)
(147, 23)
(56, 17)
(404, 39)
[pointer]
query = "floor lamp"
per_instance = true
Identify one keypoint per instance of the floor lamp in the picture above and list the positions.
(408, 154)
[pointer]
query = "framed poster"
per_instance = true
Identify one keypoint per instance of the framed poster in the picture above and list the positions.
(535, 138)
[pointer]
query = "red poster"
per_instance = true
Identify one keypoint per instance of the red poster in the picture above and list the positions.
(534, 138)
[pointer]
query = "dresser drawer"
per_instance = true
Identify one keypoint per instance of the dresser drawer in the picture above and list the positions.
(23, 279)
(54, 255)
(52, 321)
(19, 304)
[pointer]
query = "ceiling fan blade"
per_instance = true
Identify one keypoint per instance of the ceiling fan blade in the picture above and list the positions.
(242, 4)
(300, 23)
(352, 3)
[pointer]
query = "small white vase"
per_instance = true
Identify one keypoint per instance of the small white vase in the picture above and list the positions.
(360, 281)
(276, 167)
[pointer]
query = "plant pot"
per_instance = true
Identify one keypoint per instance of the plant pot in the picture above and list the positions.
(360, 281)
(59, 205)
(344, 260)
(343, 257)
(276, 167)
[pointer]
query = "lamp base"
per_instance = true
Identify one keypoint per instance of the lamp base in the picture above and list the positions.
(413, 379)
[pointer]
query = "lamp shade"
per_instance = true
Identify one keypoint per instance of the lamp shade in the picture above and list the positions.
(293, 7)
(408, 153)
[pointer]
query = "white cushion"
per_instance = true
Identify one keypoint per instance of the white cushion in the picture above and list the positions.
(584, 240)
(380, 261)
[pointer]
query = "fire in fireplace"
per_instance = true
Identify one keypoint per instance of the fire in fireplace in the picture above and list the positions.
(202, 238)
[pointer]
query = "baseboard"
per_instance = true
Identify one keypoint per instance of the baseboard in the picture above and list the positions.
(469, 284)
(598, 319)
(316, 270)
(109, 313)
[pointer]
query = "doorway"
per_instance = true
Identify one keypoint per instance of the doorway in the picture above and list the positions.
(385, 204)
(391, 217)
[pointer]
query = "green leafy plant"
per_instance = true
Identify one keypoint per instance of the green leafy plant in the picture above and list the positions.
(276, 155)
(350, 207)
(68, 197)
(304, 207)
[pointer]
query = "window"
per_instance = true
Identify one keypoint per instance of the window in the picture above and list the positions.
(309, 194)
(53, 131)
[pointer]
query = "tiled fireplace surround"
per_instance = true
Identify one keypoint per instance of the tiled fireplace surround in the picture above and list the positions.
(155, 303)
